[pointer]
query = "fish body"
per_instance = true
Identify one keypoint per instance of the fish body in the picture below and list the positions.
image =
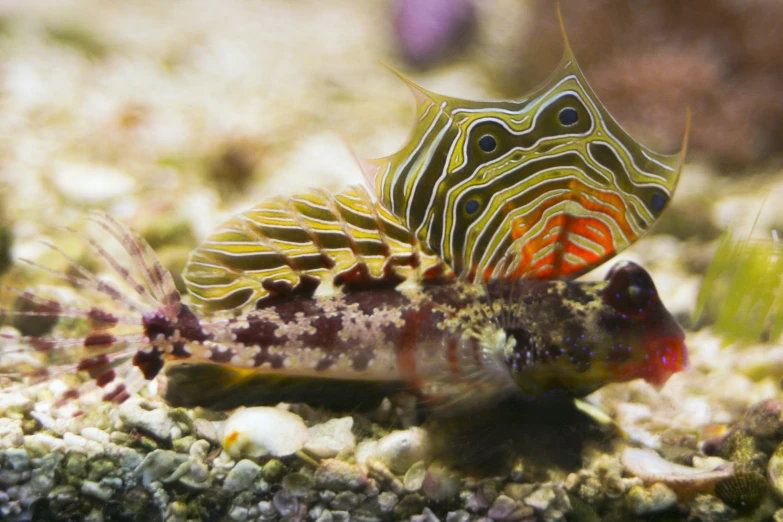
(455, 345)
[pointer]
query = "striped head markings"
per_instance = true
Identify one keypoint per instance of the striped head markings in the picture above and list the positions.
(546, 186)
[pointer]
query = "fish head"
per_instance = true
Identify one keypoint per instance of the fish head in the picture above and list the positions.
(635, 315)
(574, 337)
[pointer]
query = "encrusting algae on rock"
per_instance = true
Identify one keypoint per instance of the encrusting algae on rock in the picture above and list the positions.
(456, 287)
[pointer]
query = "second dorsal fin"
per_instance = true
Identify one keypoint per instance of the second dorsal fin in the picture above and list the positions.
(288, 247)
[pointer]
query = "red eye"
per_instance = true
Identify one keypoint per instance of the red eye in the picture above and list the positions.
(631, 290)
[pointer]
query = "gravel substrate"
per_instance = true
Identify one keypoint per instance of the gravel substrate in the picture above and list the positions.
(172, 116)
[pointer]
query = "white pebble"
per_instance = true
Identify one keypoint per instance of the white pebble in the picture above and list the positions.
(414, 478)
(401, 449)
(709, 463)
(156, 422)
(262, 431)
(96, 490)
(199, 450)
(242, 476)
(330, 438)
(14, 401)
(659, 497)
(541, 498)
(91, 183)
(159, 465)
(46, 421)
(206, 430)
(77, 442)
(96, 435)
(365, 450)
(43, 442)
(652, 468)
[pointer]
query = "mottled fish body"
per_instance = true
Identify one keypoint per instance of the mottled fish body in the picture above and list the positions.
(455, 345)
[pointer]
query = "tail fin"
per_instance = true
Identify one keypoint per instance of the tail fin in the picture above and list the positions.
(101, 340)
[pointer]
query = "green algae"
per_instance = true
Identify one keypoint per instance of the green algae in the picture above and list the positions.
(742, 291)
(80, 39)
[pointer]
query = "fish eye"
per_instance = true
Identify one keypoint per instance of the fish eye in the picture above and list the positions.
(472, 206)
(487, 143)
(568, 116)
(658, 202)
(631, 290)
(636, 294)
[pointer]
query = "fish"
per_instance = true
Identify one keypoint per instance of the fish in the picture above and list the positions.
(456, 346)
(453, 280)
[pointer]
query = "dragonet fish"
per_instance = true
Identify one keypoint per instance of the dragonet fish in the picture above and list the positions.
(454, 344)
(455, 284)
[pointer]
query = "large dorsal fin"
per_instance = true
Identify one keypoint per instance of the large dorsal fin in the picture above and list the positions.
(545, 186)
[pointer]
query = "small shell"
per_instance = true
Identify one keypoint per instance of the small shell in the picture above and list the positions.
(652, 468)
(775, 472)
(745, 490)
(262, 431)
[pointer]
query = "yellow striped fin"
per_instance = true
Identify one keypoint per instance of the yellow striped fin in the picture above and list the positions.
(545, 186)
(291, 246)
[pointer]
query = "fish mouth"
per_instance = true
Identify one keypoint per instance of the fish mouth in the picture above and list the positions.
(667, 356)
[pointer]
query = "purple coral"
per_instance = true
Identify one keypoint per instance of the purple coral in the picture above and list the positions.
(431, 30)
